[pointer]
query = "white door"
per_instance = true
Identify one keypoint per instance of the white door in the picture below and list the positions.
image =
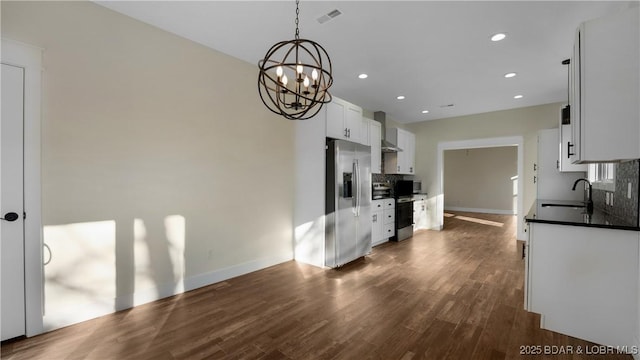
(12, 202)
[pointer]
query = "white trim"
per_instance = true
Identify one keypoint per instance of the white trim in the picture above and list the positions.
(77, 313)
(200, 280)
(482, 211)
(30, 58)
(481, 143)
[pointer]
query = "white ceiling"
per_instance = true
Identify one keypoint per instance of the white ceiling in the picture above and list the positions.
(433, 52)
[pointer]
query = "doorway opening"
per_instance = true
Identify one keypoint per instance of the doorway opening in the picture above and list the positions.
(481, 180)
(517, 184)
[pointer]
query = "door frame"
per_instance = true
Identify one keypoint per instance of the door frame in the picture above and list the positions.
(30, 58)
(517, 141)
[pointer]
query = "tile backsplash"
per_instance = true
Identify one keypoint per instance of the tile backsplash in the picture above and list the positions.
(391, 178)
(623, 208)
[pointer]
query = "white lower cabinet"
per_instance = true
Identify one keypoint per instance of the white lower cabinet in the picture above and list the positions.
(377, 222)
(419, 212)
(584, 282)
(383, 220)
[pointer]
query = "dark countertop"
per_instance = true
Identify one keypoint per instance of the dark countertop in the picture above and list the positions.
(575, 216)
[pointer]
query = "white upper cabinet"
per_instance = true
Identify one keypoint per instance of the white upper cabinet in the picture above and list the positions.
(564, 163)
(365, 133)
(375, 138)
(551, 184)
(344, 121)
(411, 153)
(402, 162)
(605, 88)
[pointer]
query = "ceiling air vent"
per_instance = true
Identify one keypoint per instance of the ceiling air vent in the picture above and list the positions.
(328, 16)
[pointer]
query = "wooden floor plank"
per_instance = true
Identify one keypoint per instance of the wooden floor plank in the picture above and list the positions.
(451, 294)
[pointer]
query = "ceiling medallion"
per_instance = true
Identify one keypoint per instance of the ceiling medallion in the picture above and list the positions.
(295, 77)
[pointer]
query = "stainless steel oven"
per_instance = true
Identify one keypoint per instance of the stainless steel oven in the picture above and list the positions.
(404, 218)
(403, 192)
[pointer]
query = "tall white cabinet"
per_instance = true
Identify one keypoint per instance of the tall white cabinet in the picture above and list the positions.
(375, 138)
(340, 120)
(605, 88)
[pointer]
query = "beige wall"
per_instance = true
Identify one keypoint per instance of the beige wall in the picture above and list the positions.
(523, 122)
(481, 179)
(155, 152)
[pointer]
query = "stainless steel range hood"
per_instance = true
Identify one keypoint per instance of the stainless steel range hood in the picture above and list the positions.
(386, 146)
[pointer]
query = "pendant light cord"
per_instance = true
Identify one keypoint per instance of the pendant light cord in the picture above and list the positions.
(297, 21)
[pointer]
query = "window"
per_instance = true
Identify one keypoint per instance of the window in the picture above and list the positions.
(603, 176)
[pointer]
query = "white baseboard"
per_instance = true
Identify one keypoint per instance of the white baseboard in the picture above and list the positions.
(200, 280)
(97, 307)
(477, 210)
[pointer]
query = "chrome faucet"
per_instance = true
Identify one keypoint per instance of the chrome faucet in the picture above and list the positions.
(590, 199)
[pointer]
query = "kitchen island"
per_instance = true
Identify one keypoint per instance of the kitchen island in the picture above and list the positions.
(582, 273)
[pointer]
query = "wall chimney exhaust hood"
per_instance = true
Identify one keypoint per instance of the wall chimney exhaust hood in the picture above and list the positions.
(381, 117)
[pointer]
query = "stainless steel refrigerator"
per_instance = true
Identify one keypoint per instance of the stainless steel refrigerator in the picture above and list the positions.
(348, 202)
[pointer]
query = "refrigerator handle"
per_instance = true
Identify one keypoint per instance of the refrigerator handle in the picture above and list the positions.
(354, 189)
(358, 188)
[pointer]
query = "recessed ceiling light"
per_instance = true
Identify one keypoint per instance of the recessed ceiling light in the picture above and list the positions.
(400, 97)
(363, 76)
(518, 97)
(510, 75)
(425, 111)
(498, 37)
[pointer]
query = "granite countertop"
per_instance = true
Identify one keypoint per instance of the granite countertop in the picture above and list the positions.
(575, 216)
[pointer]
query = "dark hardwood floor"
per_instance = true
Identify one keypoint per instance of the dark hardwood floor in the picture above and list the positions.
(454, 294)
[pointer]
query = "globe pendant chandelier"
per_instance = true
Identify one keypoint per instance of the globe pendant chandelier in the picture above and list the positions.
(295, 77)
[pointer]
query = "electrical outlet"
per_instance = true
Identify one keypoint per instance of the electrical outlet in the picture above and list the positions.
(606, 198)
(611, 200)
(629, 190)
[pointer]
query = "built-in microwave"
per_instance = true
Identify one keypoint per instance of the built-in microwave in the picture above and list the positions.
(417, 187)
